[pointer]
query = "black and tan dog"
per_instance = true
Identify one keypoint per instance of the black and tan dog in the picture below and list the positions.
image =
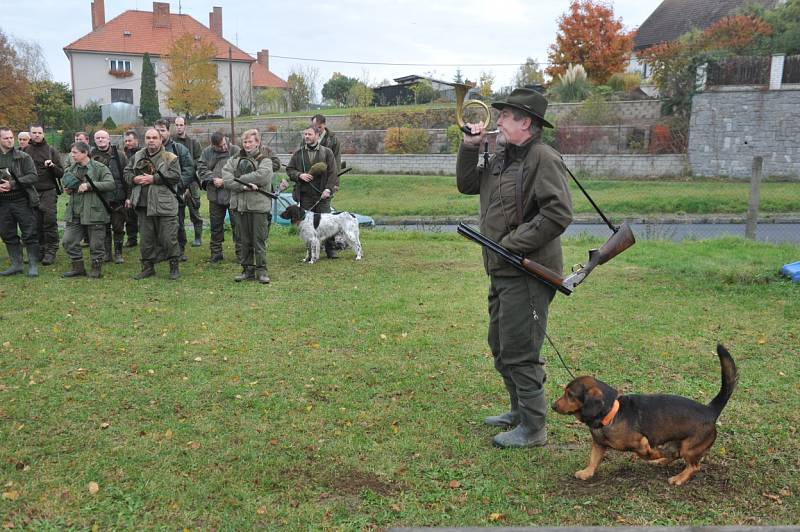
(660, 428)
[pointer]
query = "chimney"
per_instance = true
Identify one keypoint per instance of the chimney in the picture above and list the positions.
(98, 14)
(161, 15)
(263, 58)
(215, 21)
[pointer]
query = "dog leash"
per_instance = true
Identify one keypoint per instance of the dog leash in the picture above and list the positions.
(563, 363)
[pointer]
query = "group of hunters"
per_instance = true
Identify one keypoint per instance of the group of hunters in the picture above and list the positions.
(144, 192)
(525, 205)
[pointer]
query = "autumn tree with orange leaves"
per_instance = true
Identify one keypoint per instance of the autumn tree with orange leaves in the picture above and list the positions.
(589, 35)
(674, 64)
(192, 82)
(16, 103)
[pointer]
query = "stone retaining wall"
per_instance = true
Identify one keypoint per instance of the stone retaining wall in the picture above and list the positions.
(629, 112)
(730, 127)
(626, 166)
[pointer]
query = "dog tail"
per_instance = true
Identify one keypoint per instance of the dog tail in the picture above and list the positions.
(728, 380)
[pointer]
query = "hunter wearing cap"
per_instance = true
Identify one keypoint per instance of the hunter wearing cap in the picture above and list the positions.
(525, 205)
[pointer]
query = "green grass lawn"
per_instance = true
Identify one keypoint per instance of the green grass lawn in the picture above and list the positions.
(348, 395)
(403, 195)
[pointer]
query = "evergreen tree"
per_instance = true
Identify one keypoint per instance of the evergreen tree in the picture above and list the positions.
(148, 101)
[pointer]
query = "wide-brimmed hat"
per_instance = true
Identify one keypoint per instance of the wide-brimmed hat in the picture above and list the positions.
(527, 100)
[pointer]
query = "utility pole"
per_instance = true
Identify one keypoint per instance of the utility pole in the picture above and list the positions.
(230, 91)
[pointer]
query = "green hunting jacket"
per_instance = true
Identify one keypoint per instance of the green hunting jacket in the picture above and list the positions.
(329, 140)
(160, 201)
(115, 160)
(302, 161)
(210, 166)
(545, 197)
(243, 200)
(88, 206)
(24, 176)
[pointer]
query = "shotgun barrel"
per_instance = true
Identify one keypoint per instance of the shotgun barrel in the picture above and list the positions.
(532, 268)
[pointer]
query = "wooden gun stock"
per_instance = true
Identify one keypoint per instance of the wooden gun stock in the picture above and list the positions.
(621, 240)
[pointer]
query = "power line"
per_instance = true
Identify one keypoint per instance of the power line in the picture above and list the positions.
(383, 63)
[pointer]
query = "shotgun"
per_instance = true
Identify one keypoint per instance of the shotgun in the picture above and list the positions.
(270, 195)
(621, 240)
(100, 196)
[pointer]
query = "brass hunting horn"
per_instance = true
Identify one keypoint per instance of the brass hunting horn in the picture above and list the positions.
(461, 93)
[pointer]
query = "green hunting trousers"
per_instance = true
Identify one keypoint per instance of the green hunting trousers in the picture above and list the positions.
(517, 322)
(75, 232)
(253, 231)
(158, 237)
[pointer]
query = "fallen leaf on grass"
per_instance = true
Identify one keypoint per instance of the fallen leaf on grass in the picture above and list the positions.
(168, 434)
(105, 425)
(94, 488)
(454, 484)
(198, 359)
(11, 495)
(772, 497)
(261, 510)
(496, 517)
(194, 445)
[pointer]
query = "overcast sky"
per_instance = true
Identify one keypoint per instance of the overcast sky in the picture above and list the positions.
(436, 35)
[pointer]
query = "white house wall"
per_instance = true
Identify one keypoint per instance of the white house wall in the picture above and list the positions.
(92, 82)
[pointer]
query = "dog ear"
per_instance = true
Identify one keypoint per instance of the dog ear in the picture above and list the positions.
(597, 401)
(592, 407)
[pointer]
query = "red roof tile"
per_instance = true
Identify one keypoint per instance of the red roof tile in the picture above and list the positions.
(144, 37)
(261, 77)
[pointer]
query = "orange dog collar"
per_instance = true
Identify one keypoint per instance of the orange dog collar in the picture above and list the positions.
(611, 414)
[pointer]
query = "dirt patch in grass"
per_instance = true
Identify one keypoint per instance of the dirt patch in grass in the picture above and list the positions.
(343, 482)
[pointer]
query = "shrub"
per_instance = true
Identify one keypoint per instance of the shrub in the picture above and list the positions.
(406, 140)
(428, 119)
(109, 125)
(625, 81)
(573, 85)
(594, 111)
(454, 136)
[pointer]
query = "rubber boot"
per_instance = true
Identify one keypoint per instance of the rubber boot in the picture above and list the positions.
(198, 235)
(97, 269)
(78, 269)
(15, 254)
(118, 259)
(531, 431)
(48, 258)
(33, 260)
(147, 271)
(174, 273)
(132, 242)
(510, 418)
(261, 276)
(246, 275)
(330, 249)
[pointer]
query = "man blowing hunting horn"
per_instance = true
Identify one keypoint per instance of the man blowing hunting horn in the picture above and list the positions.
(525, 205)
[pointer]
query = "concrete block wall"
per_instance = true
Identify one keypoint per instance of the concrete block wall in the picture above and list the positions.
(622, 166)
(729, 128)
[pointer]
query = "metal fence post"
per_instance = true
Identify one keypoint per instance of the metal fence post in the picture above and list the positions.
(753, 201)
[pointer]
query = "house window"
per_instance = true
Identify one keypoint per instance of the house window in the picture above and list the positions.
(122, 95)
(120, 66)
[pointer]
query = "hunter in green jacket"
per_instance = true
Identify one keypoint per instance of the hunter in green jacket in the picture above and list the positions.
(84, 180)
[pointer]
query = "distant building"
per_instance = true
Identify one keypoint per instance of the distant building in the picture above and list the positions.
(673, 18)
(401, 93)
(106, 64)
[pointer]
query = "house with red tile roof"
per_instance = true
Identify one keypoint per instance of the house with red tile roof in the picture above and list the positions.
(106, 64)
